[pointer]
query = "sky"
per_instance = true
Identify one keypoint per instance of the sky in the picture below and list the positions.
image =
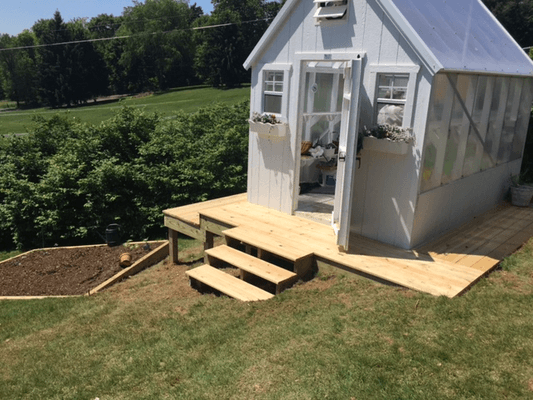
(17, 15)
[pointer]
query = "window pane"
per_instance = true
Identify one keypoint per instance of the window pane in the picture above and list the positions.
(459, 129)
(473, 154)
(324, 85)
(269, 76)
(278, 76)
(509, 122)
(437, 134)
(390, 114)
(278, 87)
(497, 108)
(385, 80)
(384, 93)
(401, 81)
(522, 120)
(269, 87)
(272, 104)
(340, 91)
(323, 129)
(476, 137)
(399, 94)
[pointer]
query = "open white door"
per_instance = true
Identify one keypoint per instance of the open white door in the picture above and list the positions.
(342, 211)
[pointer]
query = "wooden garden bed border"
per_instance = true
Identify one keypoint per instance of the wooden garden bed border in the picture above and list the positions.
(155, 256)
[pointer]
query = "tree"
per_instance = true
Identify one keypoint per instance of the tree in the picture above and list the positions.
(69, 73)
(221, 51)
(87, 70)
(53, 71)
(107, 26)
(18, 73)
(159, 54)
(516, 16)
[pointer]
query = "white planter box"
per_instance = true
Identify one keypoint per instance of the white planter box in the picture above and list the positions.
(384, 146)
(265, 129)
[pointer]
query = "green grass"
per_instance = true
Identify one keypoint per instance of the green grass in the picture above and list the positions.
(168, 103)
(338, 337)
(4, 255)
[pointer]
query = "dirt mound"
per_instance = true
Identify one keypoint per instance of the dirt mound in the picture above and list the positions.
(64, 271)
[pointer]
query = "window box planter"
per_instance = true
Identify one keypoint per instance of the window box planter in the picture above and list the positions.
(371, 143)
(266, 129)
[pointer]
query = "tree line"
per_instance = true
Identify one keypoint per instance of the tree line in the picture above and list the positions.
(161, 47)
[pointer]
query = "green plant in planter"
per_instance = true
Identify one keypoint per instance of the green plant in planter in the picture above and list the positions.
(390, 132)
(265, 118)
(521, 191)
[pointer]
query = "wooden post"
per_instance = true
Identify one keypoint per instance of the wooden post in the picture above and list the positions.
(173, 245)
(209, 240)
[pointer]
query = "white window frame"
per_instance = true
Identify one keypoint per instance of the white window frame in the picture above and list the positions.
(331, 11)
(412, 72)
(284, 94)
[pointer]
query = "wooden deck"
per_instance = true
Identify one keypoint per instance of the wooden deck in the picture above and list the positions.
(447, 266)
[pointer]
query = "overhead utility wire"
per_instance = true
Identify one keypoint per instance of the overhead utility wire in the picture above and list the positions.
(135, 35)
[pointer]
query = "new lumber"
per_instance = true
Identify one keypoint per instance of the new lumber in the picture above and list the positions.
(253, 265)
(270, 242)
(227, 284)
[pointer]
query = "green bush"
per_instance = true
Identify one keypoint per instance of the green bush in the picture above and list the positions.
(67, 181)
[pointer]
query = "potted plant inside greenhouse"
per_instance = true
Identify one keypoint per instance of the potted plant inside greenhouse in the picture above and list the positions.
(521, 191)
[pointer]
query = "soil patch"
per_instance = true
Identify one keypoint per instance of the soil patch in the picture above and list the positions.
(64, 271)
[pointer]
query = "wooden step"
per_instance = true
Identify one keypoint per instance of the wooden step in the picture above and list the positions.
(300, 255)
(227, 284)
(253, 265)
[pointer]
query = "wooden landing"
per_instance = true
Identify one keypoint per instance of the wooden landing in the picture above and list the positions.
(447, 266)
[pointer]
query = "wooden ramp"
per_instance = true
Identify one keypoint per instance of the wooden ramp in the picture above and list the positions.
(447, 266)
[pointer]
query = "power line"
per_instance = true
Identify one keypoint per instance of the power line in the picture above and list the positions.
(135, 35)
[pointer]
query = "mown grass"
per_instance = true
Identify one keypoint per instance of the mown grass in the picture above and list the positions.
(338, 337)
(4, 255)
(169, 103)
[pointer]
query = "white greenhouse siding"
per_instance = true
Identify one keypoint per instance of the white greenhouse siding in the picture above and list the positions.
(397, 198)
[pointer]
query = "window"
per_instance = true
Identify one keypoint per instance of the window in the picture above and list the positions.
(330, 10)
(391, 99)
(273, 92)
(475, 122)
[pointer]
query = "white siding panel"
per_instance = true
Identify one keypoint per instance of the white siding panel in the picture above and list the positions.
(449, 206)
(388, 51)
(358, 16)
(253, 152)
(373, 30)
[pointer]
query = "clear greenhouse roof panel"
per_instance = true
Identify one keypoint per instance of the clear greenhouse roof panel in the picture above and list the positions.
(463, 35)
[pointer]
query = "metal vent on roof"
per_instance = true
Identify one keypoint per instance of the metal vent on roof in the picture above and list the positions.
(334, 9)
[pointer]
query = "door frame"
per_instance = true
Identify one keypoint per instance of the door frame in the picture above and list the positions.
(298, 86)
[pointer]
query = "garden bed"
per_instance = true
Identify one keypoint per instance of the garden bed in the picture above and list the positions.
(66, 271)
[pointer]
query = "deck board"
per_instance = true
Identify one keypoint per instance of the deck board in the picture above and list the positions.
(191, 212)
(447, 266)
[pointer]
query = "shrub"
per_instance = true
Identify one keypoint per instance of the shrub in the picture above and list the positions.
(67, 181)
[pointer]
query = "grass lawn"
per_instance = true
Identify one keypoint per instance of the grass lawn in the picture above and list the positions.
(4, 255)
(168, 103)
(338, 337)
